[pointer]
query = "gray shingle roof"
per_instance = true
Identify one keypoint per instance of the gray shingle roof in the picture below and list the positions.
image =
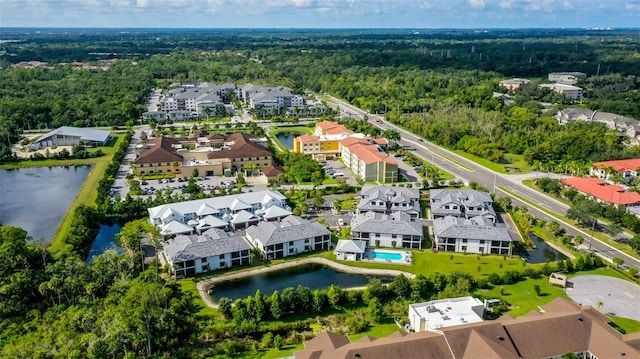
(371, 193)
(291, 228)
(467, 198)
(351, 246)
(473, 228)
(213, 242)
(395, 223)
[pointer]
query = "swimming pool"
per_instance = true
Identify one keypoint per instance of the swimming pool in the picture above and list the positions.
(386, 256)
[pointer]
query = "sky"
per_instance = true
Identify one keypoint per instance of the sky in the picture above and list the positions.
(321, 13)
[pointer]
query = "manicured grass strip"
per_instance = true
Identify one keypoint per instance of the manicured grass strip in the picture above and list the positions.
(626, 324)
(87, 193)
(517, 162)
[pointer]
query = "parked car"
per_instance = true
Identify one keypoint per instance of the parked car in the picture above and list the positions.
(340, 222)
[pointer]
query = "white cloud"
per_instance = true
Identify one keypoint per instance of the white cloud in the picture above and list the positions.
(567, 5)
(477, 4)
(602, 5)
(507, 4)
(539, 5)
(633, 7)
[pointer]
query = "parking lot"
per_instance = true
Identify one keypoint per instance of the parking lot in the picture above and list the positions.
(208, 184)
(336, 169)
(607, 294)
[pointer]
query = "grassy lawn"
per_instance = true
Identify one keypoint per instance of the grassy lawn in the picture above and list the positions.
(626, 324)
(522, 296)
(189, 285)
(515, 161)
(427, 263)
(383, 329)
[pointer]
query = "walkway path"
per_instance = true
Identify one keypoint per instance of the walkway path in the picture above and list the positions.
(205, 285)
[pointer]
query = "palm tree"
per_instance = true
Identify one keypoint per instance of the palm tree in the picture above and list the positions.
(599, 304)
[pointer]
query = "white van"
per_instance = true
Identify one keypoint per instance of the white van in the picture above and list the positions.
(340, 222)
(337, 174)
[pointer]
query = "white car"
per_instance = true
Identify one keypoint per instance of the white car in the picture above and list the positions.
(340, 222)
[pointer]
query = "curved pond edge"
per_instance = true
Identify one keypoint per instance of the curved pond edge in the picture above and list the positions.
(204, 285)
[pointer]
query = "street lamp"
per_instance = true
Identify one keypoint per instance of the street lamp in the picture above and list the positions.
(593, 228)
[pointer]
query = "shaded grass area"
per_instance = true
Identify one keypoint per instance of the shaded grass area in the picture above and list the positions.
(513, 161)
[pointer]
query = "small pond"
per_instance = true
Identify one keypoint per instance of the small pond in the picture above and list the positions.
(106, 240)
(313, 276)
(286, 138)
(37, 198)
(543, 252)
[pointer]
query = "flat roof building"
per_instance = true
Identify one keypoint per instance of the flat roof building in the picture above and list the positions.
(437, 314)
(71, 136)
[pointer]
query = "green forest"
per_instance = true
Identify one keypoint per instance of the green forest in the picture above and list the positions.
(437, 84)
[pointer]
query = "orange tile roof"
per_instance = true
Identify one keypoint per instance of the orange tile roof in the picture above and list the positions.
(307, 138)
(366, 151)
(332, 128)
(603, 191)
(620, 165)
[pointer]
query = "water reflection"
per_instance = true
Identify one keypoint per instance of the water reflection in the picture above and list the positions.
(543, 252)
(37, 198)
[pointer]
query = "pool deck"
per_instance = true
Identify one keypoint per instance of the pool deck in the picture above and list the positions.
(204, 285)
(406, 257)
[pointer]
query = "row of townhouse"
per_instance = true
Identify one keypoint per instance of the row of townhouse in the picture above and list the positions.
(364, 155)
(463, 221)
(216, 233)
(188, 100)
(209, 154)
(626, 126)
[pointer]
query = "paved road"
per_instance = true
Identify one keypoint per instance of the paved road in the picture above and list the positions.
(469, 171)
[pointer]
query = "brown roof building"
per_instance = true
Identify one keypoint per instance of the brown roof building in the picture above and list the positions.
(563, 327)
(220, 155)
(158, 155)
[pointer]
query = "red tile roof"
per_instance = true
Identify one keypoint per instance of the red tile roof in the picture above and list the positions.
(603, 191)
(307, 138)
(366, 151)
(332, 128)
(620, 165)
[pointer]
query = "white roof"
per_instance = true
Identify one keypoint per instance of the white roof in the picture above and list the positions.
(218, 203)
(175, 227)
(448, 312)
(88, 134)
